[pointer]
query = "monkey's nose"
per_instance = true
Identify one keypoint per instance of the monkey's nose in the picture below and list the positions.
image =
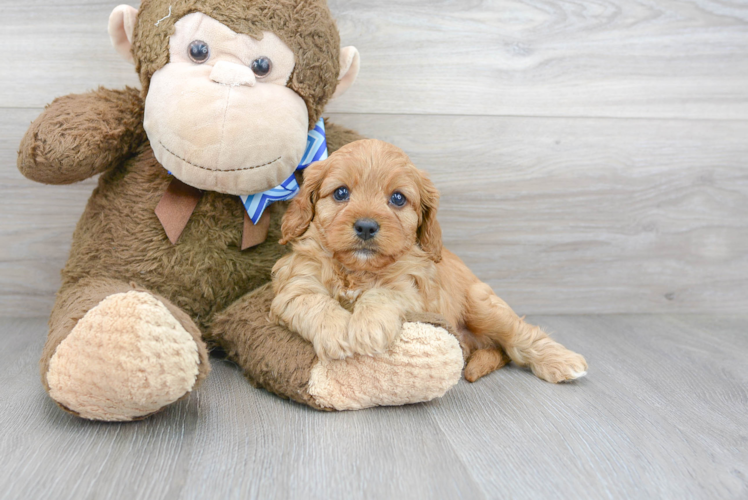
(227, 73)
(366, 228)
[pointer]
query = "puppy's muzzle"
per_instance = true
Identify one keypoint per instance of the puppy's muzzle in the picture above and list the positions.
(366, 229)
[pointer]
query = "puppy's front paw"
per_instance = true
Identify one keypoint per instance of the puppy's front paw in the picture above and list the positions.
(373, 332)
(330, 340)
(560, 365)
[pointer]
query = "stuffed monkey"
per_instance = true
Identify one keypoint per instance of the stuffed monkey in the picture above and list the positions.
(173, 252)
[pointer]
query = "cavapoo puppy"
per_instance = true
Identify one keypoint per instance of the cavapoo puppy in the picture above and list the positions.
(367, 250)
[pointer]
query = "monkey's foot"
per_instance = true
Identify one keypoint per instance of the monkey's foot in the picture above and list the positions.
(127, 358)
(422, 365)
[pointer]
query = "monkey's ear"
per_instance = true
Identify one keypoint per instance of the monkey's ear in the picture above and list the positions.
(350, 62)
(121, 28)
(300, 212)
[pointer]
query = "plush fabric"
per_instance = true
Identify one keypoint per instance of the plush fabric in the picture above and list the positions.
(422, 365)
(73, 303)
(224, 90)
(81, 135)
(119, 240)
(306, 27)
(132, 303)
(156, 358)
(121, 28)
(270, 356)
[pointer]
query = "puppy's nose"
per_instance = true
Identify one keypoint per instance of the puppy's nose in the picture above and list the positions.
(366, 228)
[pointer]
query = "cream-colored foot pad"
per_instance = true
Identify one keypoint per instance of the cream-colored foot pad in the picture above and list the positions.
(126, 358)
(422, 365)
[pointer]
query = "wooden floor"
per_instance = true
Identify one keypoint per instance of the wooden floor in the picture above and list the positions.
(662, 414)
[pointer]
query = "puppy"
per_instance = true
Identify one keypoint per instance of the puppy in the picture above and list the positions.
(367, 250)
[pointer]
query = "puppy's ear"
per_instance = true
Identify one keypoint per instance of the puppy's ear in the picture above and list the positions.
(429, 232)
(300, 212)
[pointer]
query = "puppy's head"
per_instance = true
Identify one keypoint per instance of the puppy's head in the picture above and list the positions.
(369, 204)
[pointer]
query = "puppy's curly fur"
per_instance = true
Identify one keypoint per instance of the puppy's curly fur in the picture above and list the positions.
(347, 288)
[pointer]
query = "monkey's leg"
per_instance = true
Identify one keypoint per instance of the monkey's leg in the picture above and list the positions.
(423, 364)
(116, 352)
(526, 344)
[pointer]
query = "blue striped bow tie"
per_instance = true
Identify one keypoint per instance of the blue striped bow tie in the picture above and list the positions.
(316, 150)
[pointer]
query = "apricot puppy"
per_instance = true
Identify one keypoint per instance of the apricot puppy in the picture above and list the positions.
(367, 250)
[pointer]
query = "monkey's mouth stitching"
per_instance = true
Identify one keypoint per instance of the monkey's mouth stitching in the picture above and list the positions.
(215, 169)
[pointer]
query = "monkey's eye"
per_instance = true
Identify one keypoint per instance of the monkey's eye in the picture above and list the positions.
(199, 51)
(398, 199)
(341, 194)
(261, 66)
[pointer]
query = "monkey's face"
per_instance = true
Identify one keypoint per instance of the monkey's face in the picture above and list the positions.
(219, 115)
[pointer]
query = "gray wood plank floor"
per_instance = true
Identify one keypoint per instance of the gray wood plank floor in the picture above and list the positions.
(662, 414)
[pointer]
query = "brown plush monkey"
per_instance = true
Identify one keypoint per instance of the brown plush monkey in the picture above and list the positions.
(158, 268)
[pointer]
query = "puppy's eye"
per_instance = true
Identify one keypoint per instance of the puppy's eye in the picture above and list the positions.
(198, 51)
(261, 66)
(341, 194)
(398, 199)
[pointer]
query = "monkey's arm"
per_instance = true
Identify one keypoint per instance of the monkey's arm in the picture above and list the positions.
(80, 135)
(422, 365)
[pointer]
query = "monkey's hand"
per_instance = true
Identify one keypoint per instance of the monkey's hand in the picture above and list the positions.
(80, 135)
